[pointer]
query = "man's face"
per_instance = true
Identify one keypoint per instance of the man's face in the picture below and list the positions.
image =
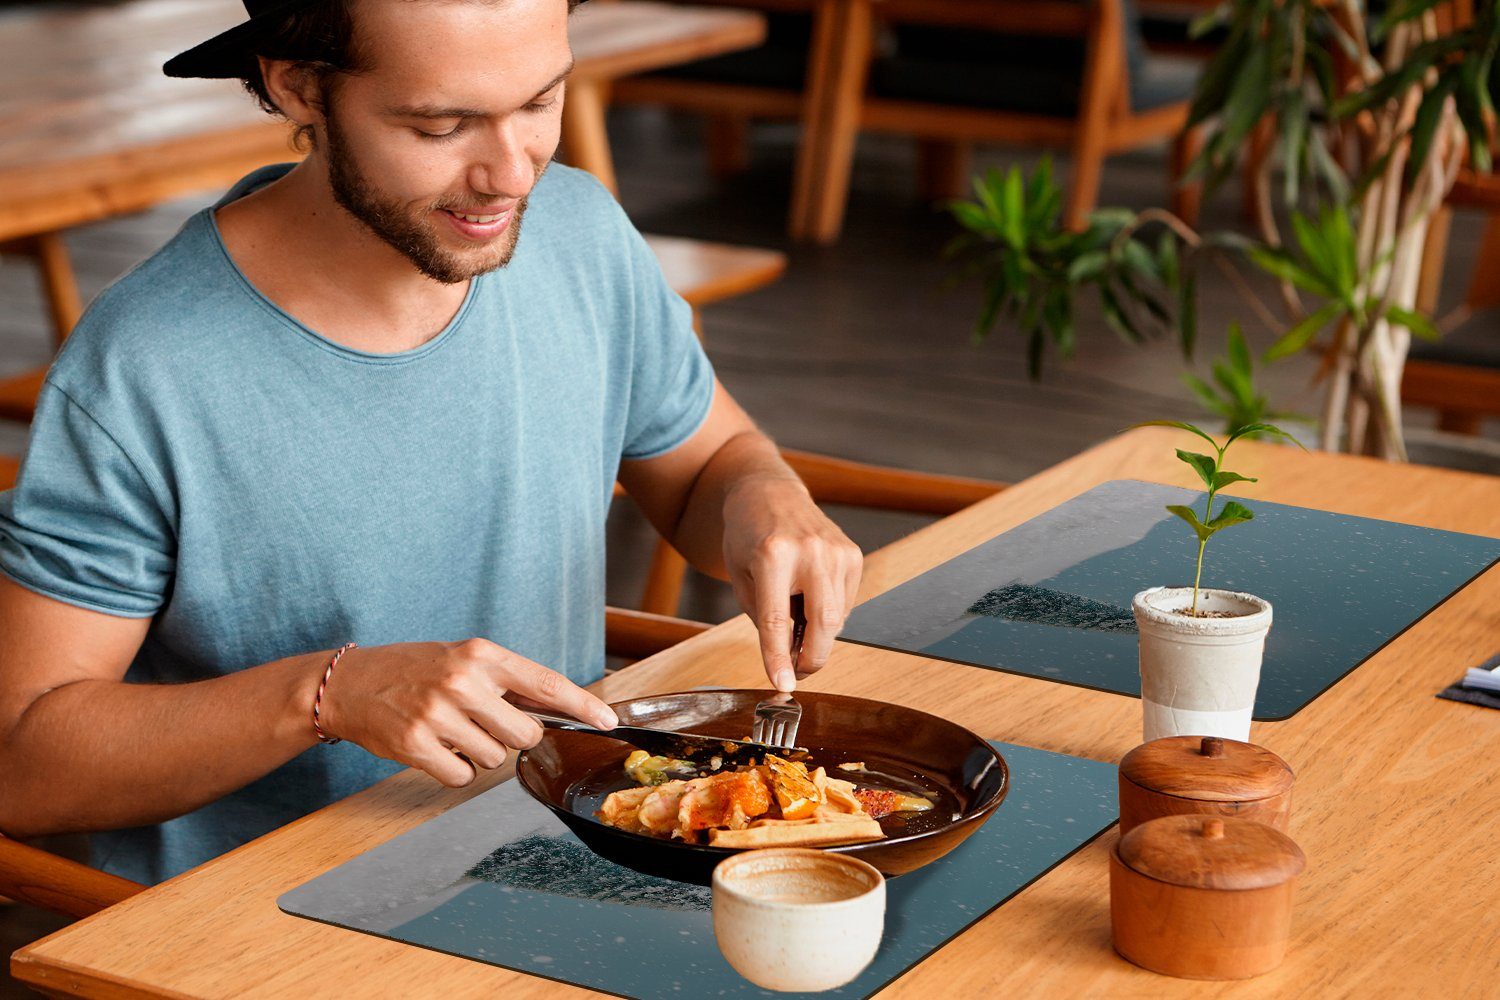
(437, 145)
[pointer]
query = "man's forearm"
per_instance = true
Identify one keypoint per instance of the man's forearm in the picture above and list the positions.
(744, 459)
(96, 755)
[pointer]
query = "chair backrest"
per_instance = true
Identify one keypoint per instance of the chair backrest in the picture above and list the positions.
(10, 468)
(56, 884)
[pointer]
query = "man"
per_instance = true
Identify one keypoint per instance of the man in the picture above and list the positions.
(353, 403)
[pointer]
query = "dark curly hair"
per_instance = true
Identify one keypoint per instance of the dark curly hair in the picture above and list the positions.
(320, 39)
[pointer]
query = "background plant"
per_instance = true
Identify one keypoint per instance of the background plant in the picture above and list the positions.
(1369, 122)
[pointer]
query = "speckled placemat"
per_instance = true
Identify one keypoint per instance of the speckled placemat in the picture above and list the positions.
(499, 879)
(1051, 597)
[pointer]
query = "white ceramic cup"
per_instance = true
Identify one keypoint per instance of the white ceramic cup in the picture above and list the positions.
(798, 920)
(1199, 675)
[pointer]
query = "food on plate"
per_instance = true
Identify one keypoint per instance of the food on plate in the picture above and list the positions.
(796, 793)
(880, 802)
(780, 803)
(644, 769)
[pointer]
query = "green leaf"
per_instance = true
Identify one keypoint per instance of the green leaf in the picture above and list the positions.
(1239, 351)
(970, 216)
(1202, 464)
(1280, 264)
(1205, 393)
(1187, 309)
(1424, 128)
(1224, 479)
(1087, 266)
(1200, 529)
(1116, 317)
(1261, 428)
(1180, 426)
(1294, 127)
(1013, 203)
(1232, 513)
(1315, 248)
(1418, 324)
(1302, 334)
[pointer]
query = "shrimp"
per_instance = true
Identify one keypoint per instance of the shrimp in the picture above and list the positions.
(723, 800)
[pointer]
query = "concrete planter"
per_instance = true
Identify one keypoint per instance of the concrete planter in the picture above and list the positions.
(1199, 675)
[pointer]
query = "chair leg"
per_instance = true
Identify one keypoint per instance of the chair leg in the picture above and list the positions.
(728, 145)
(1186, 199)
(59, 284)
(664, 580)
(1484, 287)
(585, 138)
(1103, 78)
(943, 168)
(842, 48)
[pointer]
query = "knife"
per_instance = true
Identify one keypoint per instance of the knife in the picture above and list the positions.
(679, 746)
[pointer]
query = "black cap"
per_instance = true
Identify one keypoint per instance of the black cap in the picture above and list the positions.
(226, 54)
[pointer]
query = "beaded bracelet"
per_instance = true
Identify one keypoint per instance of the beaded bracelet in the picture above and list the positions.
(318, 700)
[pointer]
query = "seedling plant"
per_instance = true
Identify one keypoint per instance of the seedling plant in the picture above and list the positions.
(1210, 469)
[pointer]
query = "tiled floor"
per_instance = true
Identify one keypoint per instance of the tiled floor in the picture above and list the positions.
(860, 351)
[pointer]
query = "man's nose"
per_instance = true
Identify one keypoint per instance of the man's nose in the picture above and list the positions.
(504, 167)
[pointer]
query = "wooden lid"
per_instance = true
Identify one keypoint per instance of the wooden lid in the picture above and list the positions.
(1212, 852)
(1207, 768)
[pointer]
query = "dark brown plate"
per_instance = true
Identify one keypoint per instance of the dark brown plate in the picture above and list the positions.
(902, 748)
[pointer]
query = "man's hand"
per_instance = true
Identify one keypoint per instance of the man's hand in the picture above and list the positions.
(778, 543)
(424, 703)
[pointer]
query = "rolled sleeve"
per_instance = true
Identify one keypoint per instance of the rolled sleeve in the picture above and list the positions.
(82, 524)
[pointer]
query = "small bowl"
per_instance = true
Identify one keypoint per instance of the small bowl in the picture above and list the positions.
(770, 904)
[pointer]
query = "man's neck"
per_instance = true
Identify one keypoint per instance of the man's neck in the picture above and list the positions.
(323, 267)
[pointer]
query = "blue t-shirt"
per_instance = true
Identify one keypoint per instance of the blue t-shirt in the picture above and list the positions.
(200, 456)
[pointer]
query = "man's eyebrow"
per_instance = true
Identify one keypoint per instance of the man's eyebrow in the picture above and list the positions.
(435, 111)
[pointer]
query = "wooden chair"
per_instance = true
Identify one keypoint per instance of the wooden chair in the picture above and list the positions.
(1459, 376)
(947, 103)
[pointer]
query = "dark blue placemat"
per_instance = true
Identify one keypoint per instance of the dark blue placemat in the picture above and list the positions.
(1051, 597)
(501, 880)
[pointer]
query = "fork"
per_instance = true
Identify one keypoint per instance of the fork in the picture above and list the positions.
(777, 718)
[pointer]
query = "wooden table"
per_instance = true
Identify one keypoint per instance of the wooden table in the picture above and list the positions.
(1397, 800)
(90, 128)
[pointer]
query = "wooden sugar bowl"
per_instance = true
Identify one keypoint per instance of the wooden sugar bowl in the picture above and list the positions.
(1208, 775)
(1203, 897)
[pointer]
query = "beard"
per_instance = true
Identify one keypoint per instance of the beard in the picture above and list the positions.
(412, 233)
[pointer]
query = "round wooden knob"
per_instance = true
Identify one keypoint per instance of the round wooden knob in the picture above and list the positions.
(1213, 828)
(1212, 746)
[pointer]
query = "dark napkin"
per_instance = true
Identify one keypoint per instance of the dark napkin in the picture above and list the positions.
(1474, 696)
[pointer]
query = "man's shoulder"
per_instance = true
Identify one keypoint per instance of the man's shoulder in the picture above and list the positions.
(154, 316)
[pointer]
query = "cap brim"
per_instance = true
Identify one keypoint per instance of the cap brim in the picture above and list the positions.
(221, 57)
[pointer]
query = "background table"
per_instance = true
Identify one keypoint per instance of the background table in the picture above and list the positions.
(90, 127)
(1397, 798)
